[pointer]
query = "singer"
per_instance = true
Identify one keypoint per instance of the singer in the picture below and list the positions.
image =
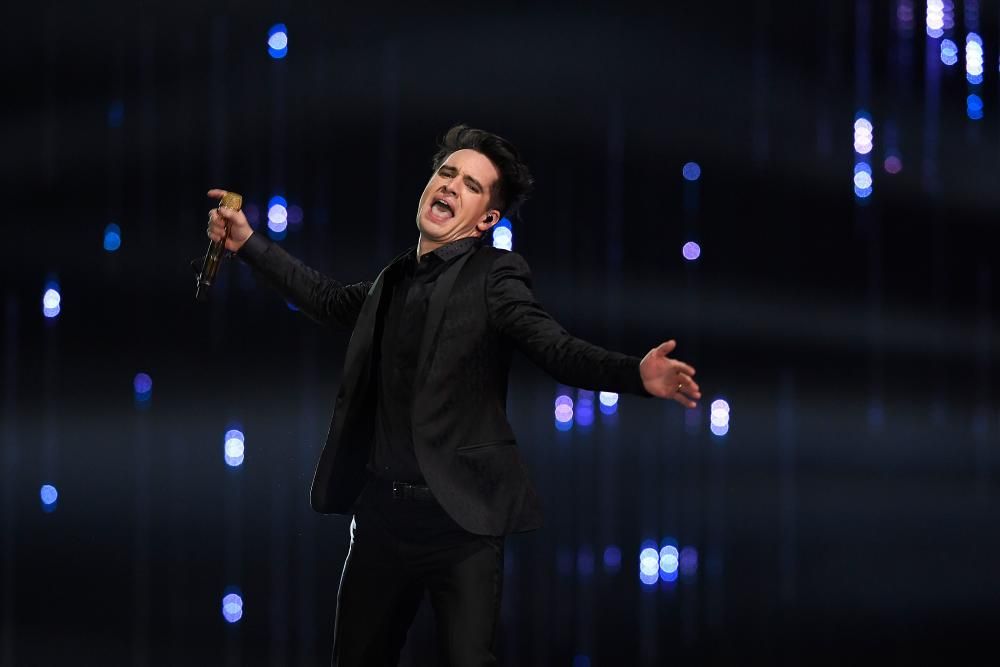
(419, 448)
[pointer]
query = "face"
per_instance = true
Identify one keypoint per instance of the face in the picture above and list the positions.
(456, 201)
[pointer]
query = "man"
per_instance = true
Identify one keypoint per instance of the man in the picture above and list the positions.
(419, 447)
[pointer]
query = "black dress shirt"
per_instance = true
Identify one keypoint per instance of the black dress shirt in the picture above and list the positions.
(405, 298)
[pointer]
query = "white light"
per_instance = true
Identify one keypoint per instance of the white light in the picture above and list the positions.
(607, 398)
(721, 405)
(668, 559)
(503, 238)
(935, 18)
(277, 218)
(649, 562)
(234, 448)
(51, 299)
(278, 41)
(862, 180)
(720, 430)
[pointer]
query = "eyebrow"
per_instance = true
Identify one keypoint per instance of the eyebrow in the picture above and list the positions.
(468, 179)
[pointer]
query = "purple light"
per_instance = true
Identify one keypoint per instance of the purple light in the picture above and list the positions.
(585, 561)
(688, 561)
(232, 607)
(691, 251)
(893, 164)
(564, 409)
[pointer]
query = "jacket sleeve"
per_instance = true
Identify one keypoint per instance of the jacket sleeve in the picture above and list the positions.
(516, 314)
(322, 299)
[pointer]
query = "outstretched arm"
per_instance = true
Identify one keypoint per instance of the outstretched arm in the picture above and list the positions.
(321, 298)
(573, 361)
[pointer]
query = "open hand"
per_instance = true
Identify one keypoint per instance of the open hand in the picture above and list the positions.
(664, 377)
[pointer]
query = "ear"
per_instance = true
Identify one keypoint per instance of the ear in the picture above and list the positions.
(489, 219)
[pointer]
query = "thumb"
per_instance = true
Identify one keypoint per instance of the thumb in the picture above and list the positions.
(666, 348)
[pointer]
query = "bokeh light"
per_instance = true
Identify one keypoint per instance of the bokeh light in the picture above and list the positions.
(233, 447)
(612, 559)
(112, 237)
(949, 52)
(51, 300)
(688, 561)
(503, 235)
(863, 134)
(719, 420)
(277, 217)
(974, 107)
(974, 58)
(143, 386)
(583, 411)
(691, 251)
(564, 409)
(608, 401)
(862, 180)
(691, 171)
(649, 566)
(277, 41)
(232, 607)
(935, 18)
(893, 164)
(49, 495)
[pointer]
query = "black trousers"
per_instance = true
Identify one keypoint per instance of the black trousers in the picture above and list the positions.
(402, 550)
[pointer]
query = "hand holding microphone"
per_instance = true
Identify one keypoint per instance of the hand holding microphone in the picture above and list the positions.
(229, 230)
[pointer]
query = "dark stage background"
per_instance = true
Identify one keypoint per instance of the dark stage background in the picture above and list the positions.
(844, 508)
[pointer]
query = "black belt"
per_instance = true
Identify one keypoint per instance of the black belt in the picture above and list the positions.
(390, 489)
(407, 491)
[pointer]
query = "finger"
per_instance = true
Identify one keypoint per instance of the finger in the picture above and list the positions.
(663, 349)
(216, 193)
(226, 212)
(681, 367)
(689, 386)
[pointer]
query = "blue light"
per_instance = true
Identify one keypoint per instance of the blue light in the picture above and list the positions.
(608, 401)
(232, 607)
(949, 52)
(143, 386)
(233, 447)
(691, 171)
(51, 300)
(112, 237)
(612, 559)
(974, 107)
(691, 251)
(49, 495)
(584, 410)
(863, 181)
(581, 661)
(277, 41)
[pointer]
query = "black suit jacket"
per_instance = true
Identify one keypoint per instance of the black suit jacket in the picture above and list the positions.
(480, 309)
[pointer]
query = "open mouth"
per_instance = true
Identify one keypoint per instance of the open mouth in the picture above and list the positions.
(441, 210)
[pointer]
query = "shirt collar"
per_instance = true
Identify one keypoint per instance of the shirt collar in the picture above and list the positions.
(452, 250)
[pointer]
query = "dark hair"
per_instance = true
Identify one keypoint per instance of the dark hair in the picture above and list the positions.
(515, 181)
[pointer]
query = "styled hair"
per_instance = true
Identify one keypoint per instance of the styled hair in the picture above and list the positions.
(515, 181)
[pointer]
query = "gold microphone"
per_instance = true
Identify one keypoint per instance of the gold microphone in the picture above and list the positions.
(213, 257)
